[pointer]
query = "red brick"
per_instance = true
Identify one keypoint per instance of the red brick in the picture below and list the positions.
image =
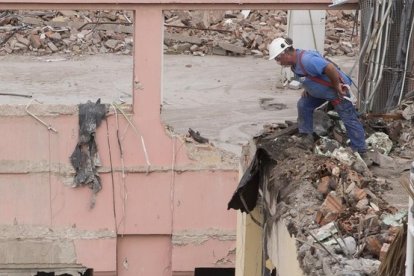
(384, 250)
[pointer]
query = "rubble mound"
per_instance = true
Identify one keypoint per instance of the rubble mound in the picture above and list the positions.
(334, 204)
(67, 31)
(338, 217)
(219, 32)
(249, 32)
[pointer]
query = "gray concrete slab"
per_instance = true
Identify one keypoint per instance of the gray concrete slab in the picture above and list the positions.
(221, 96)
(66, 79)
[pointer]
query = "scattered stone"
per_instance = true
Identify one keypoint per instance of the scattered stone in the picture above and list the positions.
(373, 245)
(383, 160)
(52, 47)
(381, 142)
(23, 40)
(294, 84)
(384, 250)
(112, 43)
(219, 51)
(232, 48)
(52, 31)
(257, 53)
(323, 186)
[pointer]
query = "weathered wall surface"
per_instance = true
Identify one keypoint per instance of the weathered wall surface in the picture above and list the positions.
(153, 220)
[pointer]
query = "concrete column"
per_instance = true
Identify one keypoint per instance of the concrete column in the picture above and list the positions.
(307, 29)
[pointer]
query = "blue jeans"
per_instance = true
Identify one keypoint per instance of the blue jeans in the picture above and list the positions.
(347, 113)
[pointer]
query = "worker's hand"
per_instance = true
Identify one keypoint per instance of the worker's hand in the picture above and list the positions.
(305, 93)
(342, 90)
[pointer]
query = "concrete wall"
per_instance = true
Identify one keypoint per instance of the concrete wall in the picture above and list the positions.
(157, 220)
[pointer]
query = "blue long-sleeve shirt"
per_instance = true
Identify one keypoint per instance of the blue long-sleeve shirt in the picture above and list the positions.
(314, 64)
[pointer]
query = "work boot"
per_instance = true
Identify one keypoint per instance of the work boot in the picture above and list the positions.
(305, 141)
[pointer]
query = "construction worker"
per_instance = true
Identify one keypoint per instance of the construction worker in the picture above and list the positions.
(322, 82)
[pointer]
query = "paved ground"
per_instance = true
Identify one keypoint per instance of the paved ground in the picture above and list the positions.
(58, 79)
(221, 97)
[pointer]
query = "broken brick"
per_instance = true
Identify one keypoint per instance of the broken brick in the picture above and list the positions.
(333, 203)
(358, 194)
(384, 250)
(35, 41)
(353, 176)
(373, 245)
(362, 204)
(323, 186)
(330, 209)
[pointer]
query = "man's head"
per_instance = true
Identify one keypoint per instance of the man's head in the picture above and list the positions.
(281, 50)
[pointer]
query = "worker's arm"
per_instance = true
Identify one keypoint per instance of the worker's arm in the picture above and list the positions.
(334, 76)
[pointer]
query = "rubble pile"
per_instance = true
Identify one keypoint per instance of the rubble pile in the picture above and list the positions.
(398, 126)
(248, 32)
(341, 33)
(217, 32)
(332, 214)
(338, 216)
(332, 202)
(66, 31)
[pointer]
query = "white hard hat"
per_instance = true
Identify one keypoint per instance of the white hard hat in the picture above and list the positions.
(277, 46)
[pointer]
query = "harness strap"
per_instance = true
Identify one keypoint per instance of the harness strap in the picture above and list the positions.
(318, 80)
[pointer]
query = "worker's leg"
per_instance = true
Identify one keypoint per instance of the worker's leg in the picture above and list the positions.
(306, 106)
(353, 125)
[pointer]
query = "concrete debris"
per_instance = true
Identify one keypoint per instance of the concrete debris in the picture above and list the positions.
(344, 155)
(408, 111)
(253, 30)
(330, 197)
(296, 85)
(381, 142)
(395, 219)
(322, 123)
(325, 146)
(69, 32)
(325, 231)
(236, 32)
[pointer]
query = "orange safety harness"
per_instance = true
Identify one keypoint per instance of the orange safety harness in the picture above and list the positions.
(318, 80)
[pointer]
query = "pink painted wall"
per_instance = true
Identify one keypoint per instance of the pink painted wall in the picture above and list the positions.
(144, 255)
(131, 229)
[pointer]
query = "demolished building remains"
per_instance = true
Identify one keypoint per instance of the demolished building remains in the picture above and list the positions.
(153, 180)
